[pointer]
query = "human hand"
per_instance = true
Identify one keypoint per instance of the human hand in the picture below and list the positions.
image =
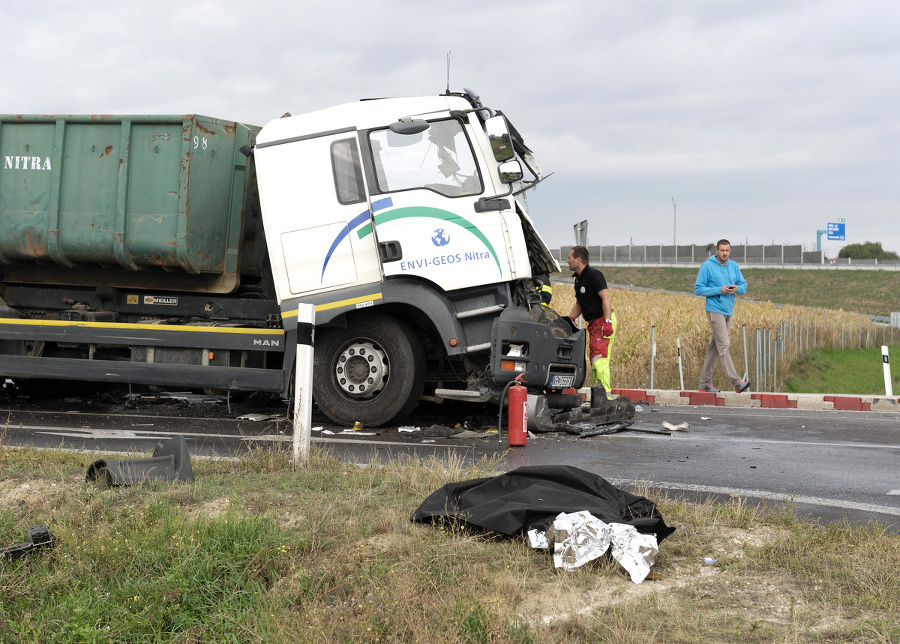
(729, 289)
(606, 329)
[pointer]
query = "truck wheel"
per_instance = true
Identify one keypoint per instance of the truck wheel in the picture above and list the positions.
(372, 372)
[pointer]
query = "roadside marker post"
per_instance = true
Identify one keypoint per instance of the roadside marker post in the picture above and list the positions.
(888, 387)
(303, 380)
(680, 372)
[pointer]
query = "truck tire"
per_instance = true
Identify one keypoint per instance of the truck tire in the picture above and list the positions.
(372, 372)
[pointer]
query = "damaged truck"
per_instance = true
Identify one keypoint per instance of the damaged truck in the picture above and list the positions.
(174, 251)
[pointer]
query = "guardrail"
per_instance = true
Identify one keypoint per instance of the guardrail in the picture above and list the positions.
(749, 256)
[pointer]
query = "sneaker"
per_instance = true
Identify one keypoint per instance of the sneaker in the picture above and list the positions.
(741, 386)
(709, 389)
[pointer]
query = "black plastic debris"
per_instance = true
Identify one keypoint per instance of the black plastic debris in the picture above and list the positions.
(170, 462)
(587, 429)
(40, 538)
(584, 421)
(441, 431)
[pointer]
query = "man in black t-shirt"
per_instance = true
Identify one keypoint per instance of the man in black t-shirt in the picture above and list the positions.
(592, 301)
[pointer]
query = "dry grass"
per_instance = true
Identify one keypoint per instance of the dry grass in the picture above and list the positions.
(254, 551)
(682, 317)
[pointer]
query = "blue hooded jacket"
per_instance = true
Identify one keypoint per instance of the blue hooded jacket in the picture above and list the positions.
(710, 280)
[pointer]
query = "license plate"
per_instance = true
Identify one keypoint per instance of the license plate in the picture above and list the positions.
(562, 381)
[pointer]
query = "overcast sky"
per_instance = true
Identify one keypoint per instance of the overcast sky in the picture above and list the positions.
(764, 119)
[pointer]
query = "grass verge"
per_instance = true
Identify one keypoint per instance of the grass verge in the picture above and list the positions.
(253, 551)
(842, 372)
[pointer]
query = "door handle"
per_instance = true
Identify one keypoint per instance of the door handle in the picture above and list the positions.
(390, 251)
(488, 204)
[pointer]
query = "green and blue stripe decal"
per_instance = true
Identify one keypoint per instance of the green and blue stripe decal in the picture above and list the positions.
(363, 222)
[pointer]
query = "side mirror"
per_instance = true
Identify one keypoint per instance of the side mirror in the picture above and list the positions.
(407, 126)
(510, 172)
(498, 135)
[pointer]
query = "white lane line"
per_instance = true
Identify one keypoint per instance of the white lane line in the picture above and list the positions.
(127, 434)
(810, 443)
(85, 432)
(762, 494)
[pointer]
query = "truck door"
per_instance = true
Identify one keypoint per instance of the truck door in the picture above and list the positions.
(424, 192)
(313, 196)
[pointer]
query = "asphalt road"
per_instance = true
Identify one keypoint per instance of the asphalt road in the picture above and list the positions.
(832, 465)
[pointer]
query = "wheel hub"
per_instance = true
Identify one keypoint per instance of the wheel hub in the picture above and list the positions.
(361, 370)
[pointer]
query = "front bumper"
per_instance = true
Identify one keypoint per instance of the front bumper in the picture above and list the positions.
(546, 356)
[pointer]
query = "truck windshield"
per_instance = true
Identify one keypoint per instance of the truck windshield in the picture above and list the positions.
(439, 159)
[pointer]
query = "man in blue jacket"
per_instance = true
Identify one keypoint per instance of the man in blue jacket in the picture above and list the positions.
(718, 280)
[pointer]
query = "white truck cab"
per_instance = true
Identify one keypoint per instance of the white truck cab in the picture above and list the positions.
(404, 221)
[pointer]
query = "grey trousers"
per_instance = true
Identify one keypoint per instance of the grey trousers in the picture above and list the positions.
(718, 348)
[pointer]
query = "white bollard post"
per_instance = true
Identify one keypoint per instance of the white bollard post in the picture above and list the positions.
(680, 373)
(303, 379)
(652, 352)
(888, 387)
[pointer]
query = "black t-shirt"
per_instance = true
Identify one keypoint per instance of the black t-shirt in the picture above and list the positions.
(587, 287)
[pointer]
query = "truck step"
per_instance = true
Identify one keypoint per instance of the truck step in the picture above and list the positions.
(463, 394)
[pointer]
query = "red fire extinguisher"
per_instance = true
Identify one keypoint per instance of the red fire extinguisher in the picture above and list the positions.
(517, 432)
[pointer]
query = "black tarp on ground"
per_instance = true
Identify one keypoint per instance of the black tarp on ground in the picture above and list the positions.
(532, 497)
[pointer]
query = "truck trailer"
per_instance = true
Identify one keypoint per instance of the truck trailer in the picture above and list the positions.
(175, 251)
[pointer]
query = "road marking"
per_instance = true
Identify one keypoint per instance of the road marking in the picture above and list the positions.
(686, 436)
(762, 494)
(127, 434)
(85, 433)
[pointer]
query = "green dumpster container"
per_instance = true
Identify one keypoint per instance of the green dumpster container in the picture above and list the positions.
(132, 201)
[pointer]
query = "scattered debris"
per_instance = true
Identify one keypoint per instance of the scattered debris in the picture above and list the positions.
(580, 420)
(357, 426)
(442, 431)
(40, 538)
(649, 430)
(409, 429)
(187, 397)
(170, 462)
(261, 417)
(587, 429)
(709, 561)
(468, 433)
(705, 418)
(680, 427)
(356, 432)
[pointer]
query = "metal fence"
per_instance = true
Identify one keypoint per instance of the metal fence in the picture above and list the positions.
(776, 255)
(772, 350)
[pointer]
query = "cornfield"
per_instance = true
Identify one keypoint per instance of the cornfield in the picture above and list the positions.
(774, 336)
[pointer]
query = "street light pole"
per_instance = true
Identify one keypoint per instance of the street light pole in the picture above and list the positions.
(674, 222)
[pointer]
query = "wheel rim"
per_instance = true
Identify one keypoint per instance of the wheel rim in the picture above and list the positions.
(361, 370)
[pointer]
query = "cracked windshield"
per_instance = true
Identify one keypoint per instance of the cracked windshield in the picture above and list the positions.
(439, 159)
